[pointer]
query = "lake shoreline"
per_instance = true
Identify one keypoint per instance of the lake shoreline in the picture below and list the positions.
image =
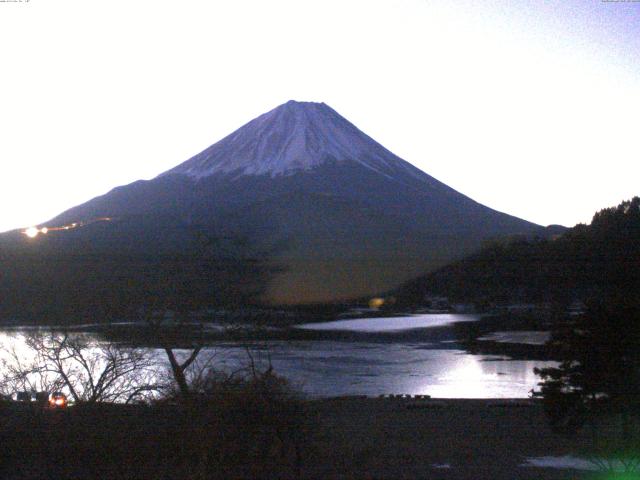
(470, 336)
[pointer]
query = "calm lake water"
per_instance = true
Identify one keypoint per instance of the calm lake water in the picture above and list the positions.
(347, 368)
(321, 368)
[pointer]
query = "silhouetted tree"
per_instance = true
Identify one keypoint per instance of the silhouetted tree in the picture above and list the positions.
(598, 379)
(169, 312)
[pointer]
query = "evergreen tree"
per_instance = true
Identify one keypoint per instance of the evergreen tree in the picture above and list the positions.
(598, 380)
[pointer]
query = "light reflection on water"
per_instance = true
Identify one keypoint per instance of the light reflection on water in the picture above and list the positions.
(330, 368)
(341, 368)
(390, 324)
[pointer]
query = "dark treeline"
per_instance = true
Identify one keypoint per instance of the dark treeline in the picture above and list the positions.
(585, 261)
(62, 281)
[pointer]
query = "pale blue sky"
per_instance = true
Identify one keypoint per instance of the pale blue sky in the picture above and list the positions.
(530, 107)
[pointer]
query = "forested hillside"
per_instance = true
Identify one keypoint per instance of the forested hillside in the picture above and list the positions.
(585, 262)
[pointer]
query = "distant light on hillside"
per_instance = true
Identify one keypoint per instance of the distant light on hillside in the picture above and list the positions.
(376, 302)
(31, 232)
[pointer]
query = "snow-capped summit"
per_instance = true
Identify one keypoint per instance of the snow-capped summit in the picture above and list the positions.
(292, 137)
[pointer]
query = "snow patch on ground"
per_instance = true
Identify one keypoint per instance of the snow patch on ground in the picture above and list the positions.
(521, 337)
(569, 461)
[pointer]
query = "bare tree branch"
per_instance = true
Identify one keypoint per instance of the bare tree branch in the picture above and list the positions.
(87, 370)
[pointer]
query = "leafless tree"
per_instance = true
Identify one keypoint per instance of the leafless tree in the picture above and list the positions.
(166, 334)
(20, 373)
(87, 370)
(195, 372)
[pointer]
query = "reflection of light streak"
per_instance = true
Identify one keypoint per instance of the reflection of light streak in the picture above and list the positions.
(465, 378)
(33, 232)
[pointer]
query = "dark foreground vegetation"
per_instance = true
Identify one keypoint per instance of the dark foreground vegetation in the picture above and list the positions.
(598, 379)
(238, 437)
(241, 430)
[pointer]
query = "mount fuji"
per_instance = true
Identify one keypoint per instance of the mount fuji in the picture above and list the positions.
(341, 216)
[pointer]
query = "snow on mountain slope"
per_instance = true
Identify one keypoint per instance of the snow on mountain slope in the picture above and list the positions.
(296, 136)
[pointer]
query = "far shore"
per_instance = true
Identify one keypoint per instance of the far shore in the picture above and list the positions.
(466, 335)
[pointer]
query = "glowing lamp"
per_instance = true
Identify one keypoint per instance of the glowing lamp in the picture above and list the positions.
(58, 400)
(376, 302)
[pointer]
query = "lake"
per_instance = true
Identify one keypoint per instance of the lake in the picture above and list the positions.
(331, 368)
(382, 364)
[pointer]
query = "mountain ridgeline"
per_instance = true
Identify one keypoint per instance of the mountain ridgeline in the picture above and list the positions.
(315, 208)
(585, 263)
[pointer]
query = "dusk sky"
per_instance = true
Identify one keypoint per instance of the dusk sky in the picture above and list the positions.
(529, 107)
